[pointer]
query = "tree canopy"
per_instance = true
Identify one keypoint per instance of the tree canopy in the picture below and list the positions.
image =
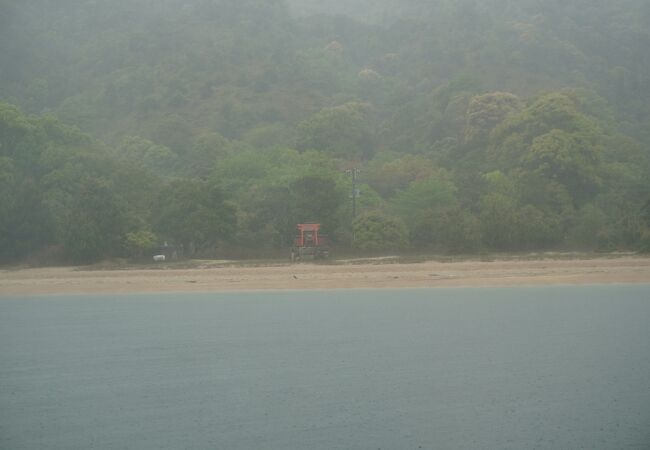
(495, 125)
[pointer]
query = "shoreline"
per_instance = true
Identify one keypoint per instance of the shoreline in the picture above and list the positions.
(303, 277)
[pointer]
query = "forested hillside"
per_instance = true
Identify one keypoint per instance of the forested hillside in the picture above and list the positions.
(217, 125)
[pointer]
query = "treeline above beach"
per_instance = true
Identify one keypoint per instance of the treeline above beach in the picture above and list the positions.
(217, 126)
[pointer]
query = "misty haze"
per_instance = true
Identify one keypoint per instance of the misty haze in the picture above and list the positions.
(214, 213)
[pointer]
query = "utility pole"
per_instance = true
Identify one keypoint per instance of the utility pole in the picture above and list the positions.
(354, 173)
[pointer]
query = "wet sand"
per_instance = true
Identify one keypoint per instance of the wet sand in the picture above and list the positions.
(72, 280)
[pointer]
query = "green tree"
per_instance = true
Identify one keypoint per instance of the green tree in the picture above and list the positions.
(194, 214)
(644, 244)
(268, 220)
(431, 211)
(645, 213)
(25, 223)
(376, 231)
(388, 177)
(589, 226)
(552, 138)
(570, 159)
(506, 225)
(498, 217)
(342, 131)
(432, 193)
(138, 243)
(204, 154)
(94, 226)
(146, 154)
(485, 112)
(315, 198)
(450, 229)
(173, 132)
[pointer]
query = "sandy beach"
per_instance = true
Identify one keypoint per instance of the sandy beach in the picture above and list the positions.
(73, 280)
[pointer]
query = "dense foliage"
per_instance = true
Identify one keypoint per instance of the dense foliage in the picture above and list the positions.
(495, 125)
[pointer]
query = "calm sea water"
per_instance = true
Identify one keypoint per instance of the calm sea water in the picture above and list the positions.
(514, 368)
